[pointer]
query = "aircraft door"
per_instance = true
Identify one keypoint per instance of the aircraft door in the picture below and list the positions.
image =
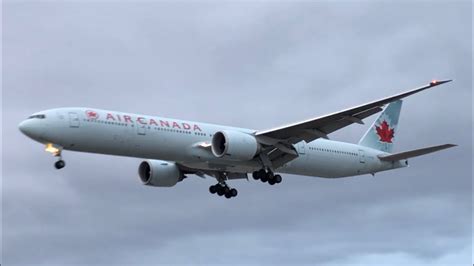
(141, 129)
(74, 121)
(301, 147)
(361, 156)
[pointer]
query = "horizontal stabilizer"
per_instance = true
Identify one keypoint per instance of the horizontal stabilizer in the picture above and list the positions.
(414, 153)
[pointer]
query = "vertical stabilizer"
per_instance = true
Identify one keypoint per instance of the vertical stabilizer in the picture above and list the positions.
(383, 132)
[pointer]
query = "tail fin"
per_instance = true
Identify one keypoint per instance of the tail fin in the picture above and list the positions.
(382, 133)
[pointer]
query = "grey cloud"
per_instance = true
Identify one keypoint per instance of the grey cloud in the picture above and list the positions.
(255, 65)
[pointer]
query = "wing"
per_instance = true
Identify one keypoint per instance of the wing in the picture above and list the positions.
(283, 138)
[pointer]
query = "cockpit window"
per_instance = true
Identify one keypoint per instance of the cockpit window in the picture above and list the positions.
(40, 116)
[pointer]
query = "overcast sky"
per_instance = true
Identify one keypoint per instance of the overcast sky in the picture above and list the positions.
(255, 65)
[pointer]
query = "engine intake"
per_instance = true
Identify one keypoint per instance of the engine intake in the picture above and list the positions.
(158, 173)
(234, 145)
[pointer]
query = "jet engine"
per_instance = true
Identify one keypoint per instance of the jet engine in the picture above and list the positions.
(159, 173)
(234, 145)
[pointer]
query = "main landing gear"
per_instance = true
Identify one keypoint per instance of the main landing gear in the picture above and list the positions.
(265, 176)
(222, 189)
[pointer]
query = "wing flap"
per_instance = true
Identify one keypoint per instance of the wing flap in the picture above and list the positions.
(414, 153)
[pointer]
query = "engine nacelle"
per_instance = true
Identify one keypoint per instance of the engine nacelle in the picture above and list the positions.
(159, 173)
(234, 145)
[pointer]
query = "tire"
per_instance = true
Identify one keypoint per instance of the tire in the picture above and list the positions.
(213, 189)
(228, 195)
(233, 192)
(220, 190)
(269, 176)
(59, 164)
(256, 175)
(271, 182)
(264, 179)
(277, 179)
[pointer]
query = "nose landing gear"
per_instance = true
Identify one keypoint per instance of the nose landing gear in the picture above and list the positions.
(56, 151)
(59, 164)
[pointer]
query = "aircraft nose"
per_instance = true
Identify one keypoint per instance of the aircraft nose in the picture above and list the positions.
(24, 128)
(30, 129)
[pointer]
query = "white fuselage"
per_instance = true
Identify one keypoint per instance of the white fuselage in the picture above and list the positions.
(151, 137)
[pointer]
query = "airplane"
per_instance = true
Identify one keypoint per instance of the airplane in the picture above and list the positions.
(174, 149)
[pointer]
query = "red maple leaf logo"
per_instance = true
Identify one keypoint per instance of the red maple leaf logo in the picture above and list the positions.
(92, 114)
(385, 133)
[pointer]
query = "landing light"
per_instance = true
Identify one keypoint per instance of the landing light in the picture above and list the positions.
(434, 81)
(50, 148)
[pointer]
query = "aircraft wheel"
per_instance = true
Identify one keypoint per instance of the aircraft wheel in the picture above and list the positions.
(277, 179)
(228, 195)
(267, 177)
(256, 175)
(271, 182)
(220, 190)
(213, 189)
(259, 174)
(59, 164)
(233, 192)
